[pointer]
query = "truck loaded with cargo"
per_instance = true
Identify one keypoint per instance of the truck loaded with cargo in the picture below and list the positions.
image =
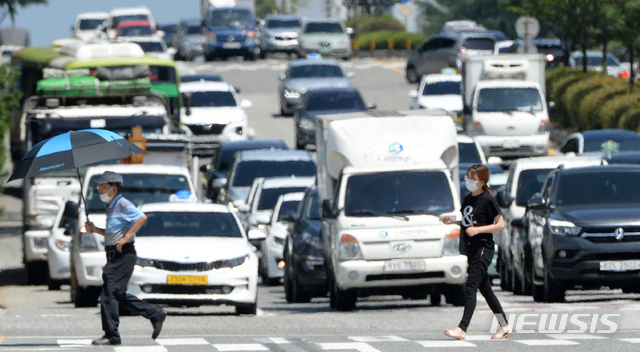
(385, 179)
(504, 104)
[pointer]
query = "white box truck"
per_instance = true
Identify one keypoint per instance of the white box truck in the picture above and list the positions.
(504, 104)
(385, 179)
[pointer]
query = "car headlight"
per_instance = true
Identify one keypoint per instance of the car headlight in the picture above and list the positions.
(143, 262)
(305, 43)
(232, 263)
(88, 242)
(349, 248)
(291, 94)
(251, 37)
(311, 240)
(306, 124)
(63, 245)
(452, 243)
(563, 227)
(345, 42)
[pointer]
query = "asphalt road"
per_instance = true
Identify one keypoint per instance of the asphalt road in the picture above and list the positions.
(35, 319)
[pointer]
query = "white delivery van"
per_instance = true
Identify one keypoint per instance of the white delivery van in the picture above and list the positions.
(384, 179)
(504, 104)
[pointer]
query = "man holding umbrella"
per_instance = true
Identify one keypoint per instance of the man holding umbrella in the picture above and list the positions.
(123, 221)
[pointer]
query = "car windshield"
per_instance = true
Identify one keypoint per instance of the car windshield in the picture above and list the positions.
(611, 145)
(189, 224)
(212, 99)
(442, 88)
(530, 182)
(269, 196)
(469, 154)
(288, 208)
(141, 189)
(323, 27)
(596, 61)
(135, 31)
(194, 30)
(599, 188)
(313, 208)
(509, 99)
(231, 18)
(90, 23)
(127, 18)
(283, 24)
(248, 170)
(401, 193)
(196, 78)
(335, 101)
(315, 71)
(479, 44)
(151, 47)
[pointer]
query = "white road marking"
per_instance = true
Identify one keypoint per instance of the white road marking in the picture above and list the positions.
(577, 336)
(182, 341)
(273, 340)
(480, 338)
(633, 340)
(376, 338)
(140, 349)
(74, 343)
(240, 347)
(445, 343)
(358, 346)
(544, 342)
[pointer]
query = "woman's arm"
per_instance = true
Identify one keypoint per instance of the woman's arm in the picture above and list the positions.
(497, 226)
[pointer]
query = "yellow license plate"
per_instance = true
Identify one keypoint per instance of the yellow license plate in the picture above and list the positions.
(186, 280)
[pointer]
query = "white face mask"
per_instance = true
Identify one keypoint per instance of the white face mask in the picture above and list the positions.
(472, 185)
(105, 196)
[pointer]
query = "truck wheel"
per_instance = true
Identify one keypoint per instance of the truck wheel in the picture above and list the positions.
(86, 297)
(247, 309)
(537, 291)
(288, 286)
(412, 75)
(54, 285)
(455, 295)
(345, 299)
(36, 273)
(516, 284)
(552, 291)
(332, 295)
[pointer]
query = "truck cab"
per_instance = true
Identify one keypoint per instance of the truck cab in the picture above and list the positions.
(384, 181)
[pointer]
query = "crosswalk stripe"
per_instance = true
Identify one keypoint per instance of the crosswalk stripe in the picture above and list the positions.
(156, 348)
(544, 342)
(273, 340)
(376, 338)
(633, 340)
(445, 343)
(479, 338)
(74, 343)
(358, 346)
(241, 347)
(182, 341)
(576, 337)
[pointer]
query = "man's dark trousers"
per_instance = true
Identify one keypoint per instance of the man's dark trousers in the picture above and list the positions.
(116, 275)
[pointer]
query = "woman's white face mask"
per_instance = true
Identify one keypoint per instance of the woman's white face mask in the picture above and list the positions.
(472, 185)
(105, 197)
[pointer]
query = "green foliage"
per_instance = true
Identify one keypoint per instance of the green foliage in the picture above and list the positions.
(9, 100)
(367, 24)
(381, 39)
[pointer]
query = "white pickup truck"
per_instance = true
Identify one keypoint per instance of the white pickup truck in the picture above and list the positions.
(504, 104)
(385, 179)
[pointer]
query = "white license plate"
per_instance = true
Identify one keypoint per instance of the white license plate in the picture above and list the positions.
(621, 265)
(511, 144)
(405, 265)
(231, 45)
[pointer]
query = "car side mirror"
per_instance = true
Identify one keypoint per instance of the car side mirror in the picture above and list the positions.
(350, 31)
(282, 77)
(536, 202)
(519, 222)
(70, 210)
(237, 89)
(327, 209)
(372, 106)
(351, 74)
(245, 104)
(219, 183)
(413, 94)
(503, 198)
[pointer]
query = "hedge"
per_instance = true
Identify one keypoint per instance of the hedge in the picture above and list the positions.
(9, 99)
(592, 100)
(368, 24)
(381, 39)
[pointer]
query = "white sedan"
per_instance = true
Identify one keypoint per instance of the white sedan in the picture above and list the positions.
(439, 91)
(272, 263)
(194, 254)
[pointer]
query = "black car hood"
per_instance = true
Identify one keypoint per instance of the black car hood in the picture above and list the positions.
(602, 216)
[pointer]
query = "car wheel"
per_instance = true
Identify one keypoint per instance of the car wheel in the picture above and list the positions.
(288, 286)
(345, 300)
(299, 145)
(209, 57)
(516, 284)
(537, 291)
(503, 277)
(455, 295)
(86, 297)
(53, 285)
(552, 291)
(247, 309)
(36, 273)
(298, 294)
(346, 58)
(263, 54)
(412, 75)
(332, 296)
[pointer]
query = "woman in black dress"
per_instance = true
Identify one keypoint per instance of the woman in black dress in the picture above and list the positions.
(480, 219)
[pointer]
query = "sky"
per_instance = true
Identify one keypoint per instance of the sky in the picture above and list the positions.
(46, 23)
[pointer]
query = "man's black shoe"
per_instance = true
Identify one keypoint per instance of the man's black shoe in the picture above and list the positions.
(104, 341)
(157, 325)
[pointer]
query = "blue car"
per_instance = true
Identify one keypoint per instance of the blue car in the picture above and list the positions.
(231, 31)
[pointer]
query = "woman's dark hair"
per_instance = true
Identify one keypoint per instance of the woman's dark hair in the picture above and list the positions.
(483, 174)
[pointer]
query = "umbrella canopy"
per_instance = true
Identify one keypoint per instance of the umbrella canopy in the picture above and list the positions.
(73, 150)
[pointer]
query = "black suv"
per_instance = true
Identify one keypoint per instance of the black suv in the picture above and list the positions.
(584, 230)
(305, 275)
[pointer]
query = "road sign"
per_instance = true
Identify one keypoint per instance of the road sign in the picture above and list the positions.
(527, 26)
(406, 11)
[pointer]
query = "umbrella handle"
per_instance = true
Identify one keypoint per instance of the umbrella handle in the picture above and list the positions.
(84, 201)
